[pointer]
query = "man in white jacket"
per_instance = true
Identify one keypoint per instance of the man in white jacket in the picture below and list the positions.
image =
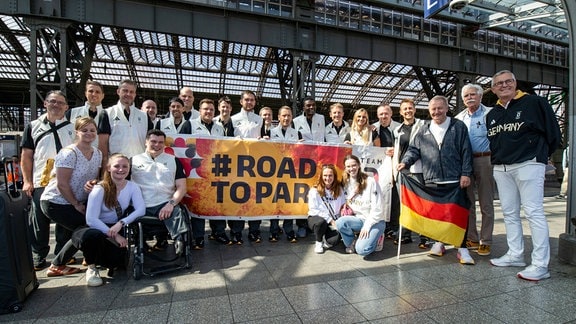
(128, 124)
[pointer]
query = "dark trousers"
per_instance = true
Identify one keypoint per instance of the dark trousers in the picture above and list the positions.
(394, 222)
(98, 248)
(198, 227)
(217, 226)
(254, 226)
(39, 228)
(68, 217)
(176, 223)
(287, 226)
(321, 230)
(236, 226)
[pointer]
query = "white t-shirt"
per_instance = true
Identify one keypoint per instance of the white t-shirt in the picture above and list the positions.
(438, 131)
(84, 170)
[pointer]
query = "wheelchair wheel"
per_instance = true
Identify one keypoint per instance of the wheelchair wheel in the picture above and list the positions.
(135, 262)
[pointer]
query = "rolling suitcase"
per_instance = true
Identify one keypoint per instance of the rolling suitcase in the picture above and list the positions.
(18, 278)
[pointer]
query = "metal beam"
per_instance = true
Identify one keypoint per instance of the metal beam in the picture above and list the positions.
(47, 71)
(567, 241)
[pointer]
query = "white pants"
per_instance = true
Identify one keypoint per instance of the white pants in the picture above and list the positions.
(523, 185)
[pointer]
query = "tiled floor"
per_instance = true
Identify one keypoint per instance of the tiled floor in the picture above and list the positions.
(289, 283)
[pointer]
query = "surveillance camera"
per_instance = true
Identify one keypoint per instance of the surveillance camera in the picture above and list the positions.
(458, 4)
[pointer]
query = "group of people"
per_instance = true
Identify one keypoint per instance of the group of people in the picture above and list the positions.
(76, 182)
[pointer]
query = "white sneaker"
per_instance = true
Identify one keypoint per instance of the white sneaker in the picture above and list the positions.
(534, 273)
(437, 249)
(380, 244)
(508, 261)
(93, 277)
(319, 248)
(325, 244)
(464, 256)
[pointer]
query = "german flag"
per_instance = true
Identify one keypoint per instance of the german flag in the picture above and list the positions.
(440, 213)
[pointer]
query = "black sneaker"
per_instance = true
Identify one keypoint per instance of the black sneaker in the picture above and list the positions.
(405, 240)
(223, 238)
(255, 237)
(237, 238)
(40, 265)
(291, 237)
(273, 238)
(390, 234)
(423, 244)
(198, 243)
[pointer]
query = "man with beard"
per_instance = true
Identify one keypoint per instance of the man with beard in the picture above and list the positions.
(175, 122)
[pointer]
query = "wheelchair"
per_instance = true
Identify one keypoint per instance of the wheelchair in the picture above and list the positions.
(143, 260)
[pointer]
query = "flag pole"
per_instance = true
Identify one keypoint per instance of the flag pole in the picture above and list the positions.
(399, 237)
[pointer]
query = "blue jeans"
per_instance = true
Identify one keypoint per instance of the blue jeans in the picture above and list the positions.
(348, 225)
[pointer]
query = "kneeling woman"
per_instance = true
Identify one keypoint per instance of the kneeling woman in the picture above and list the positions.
(363, 195)
(102, 243)
(324, 202)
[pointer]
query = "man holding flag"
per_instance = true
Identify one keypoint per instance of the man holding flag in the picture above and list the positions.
(439, 209)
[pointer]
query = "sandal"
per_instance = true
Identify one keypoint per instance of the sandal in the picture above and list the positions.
(56, 271)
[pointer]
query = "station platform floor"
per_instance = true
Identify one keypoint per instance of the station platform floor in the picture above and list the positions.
(288, 283)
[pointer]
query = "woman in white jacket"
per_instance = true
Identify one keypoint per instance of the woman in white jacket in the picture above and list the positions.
(363, 195)
(324, 202)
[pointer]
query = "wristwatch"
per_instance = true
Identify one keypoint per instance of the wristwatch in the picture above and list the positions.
(172, 202)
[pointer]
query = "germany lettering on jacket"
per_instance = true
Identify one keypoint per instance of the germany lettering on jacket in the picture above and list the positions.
(509, 127)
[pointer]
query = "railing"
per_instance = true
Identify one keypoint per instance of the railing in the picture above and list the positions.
(395, 23)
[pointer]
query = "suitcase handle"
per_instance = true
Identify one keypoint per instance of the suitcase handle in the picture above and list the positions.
(14, 193)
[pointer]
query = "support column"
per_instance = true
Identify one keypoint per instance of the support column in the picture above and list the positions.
(48, 49)
(567, 241)
(303, 74)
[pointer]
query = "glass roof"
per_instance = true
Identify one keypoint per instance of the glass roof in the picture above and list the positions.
(167, 62)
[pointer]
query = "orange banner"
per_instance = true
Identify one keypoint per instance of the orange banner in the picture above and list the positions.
(231, 178)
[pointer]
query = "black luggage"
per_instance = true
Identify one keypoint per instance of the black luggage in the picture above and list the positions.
(18, 277)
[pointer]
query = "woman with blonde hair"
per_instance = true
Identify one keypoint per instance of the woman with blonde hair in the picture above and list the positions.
(361, 131)
(324, 202)
(64, 199)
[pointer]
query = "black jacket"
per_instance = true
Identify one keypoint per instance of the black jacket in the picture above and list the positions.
(524, 130)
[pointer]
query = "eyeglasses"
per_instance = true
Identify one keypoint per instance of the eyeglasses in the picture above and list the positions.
(56, 102)
(505, 82)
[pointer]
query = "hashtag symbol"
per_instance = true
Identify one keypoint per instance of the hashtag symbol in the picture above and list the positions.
(221, 165)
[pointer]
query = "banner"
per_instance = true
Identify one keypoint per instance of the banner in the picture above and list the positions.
(440, 213)
(232, 178)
